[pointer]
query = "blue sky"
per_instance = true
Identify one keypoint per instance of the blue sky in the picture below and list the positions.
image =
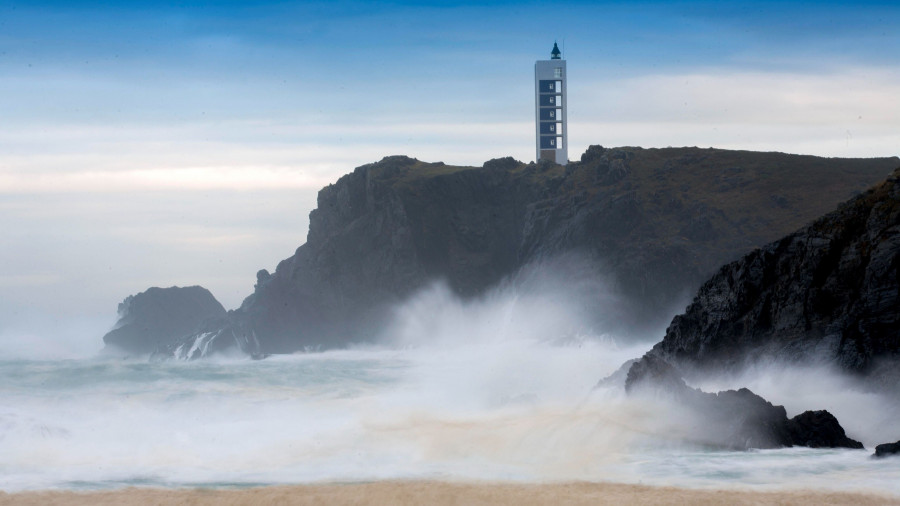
(161, 143)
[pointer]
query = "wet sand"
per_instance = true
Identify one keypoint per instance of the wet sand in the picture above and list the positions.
(439, 493)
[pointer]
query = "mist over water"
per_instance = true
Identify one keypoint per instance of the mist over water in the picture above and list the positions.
(501, 388)
(867, 416)
(557, 300)
(39, 337)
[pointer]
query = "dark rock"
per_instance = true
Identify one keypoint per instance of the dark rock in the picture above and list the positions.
(618, 378)
(262, 276)
(780, 201)
(391, 228)
(829, 292)
(160, 316)
(505, 163)
(819, 429)
(887, 450)
(654, 373)
(593, 152)
(734, 419)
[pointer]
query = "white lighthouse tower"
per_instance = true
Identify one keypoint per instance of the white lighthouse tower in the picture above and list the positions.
(550, 108)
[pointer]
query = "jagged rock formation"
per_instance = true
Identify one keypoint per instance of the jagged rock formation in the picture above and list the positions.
(160, 316)
(887, 450)
(734, 419)
(828, 292)
(658, 220)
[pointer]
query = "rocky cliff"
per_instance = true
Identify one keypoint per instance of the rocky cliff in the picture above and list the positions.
(732, 419)
(160, 316)
(829, 292)
(658, 221)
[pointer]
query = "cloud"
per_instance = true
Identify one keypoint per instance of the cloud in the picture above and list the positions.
(842, 112)
(14, 281)
(81, 253)
(169, 179)
(167, 195)
(727, 96)
(846, 112)
(72, 158)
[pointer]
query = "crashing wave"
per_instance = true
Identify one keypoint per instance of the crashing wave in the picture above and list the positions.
(226, 341)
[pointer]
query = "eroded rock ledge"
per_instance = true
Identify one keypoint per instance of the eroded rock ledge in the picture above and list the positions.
(734, 419)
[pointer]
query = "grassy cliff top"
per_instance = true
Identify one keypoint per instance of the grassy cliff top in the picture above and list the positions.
(728, 200)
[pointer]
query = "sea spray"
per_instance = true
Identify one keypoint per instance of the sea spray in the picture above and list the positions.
(497, 388)
(517, 410)
(866, 415)
(339, 415)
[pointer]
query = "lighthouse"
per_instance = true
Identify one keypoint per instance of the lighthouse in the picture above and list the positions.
(550, 109)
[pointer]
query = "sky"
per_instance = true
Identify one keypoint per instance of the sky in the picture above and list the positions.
(183, 142)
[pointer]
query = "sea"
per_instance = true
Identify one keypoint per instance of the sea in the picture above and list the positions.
(499, 389)
(512, 410)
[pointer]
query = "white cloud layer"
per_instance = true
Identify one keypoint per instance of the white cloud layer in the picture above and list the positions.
(93, 210)
(850, 113)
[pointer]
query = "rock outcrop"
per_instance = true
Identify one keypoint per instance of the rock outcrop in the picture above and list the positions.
(659, 221)
(829, 292)
(160, 316)
(734, 419)
(887, 450)
(818, 429)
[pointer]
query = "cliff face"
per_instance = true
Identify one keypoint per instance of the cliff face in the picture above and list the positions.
(377, 235)
(658, 220)
(827, 292)
(160, 316)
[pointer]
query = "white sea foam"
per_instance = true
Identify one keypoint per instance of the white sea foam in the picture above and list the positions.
(520, 411)
(483, 390)
(866, 416)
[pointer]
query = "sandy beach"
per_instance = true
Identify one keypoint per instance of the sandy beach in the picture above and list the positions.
(439, 493)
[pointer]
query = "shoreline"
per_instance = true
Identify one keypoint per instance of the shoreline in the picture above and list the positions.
(441, 492)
